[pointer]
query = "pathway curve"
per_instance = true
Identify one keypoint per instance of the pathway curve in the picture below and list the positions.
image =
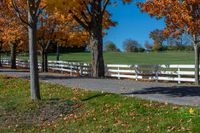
(162, 92)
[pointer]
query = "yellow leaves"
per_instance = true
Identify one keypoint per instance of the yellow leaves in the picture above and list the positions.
(191, 110)
(62, 5)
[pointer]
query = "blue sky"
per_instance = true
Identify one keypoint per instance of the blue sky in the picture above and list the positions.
(132, 24)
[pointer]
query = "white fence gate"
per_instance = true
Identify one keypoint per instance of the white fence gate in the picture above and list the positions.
(176, 73)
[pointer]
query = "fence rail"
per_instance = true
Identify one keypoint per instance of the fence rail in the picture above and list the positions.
(178, 73)
(173, 72)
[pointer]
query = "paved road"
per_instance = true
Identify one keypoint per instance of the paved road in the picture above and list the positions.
(162, 92)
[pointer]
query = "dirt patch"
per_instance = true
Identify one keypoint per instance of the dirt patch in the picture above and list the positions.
(46, 113)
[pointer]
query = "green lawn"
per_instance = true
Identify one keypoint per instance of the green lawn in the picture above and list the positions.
(72, 110)
(133, 58)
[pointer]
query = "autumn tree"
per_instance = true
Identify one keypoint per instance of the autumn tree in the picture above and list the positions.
(28, 12)
(93, 17)
(1, 35)
(15, 37)
(46, 34)
(158, 37)
(70, 34)
(12, 33)
(131, 45)
(54, 28)
(1, 48)
(181, 16)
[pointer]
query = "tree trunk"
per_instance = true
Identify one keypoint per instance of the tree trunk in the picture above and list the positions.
(13, 56)
(94, 27)
(0, 54)
(35, 90)
(45, 61)
(58, 52)
(96, 43)
(196, 50)
(0, 59)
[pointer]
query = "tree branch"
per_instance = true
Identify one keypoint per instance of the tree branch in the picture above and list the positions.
(105, 5)
(18, 13)
(87, 8)
(85, 17)
(48, 44)
(81, 22)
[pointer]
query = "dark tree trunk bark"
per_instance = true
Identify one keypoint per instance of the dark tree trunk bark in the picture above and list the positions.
(58, 53)
(96, 40)
(35, 90)
(44, 61)
(196, 50)
(13, 56)
(94, 27)
(0, 54)
(96, 43)
(0, 59)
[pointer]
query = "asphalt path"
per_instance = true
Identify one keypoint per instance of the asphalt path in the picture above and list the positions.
(162, 92)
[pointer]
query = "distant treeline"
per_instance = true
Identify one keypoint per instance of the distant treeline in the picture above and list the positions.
(178, 48)
(133, 46)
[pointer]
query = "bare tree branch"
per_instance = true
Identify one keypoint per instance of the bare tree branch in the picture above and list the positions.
(105, 5)
(18, 13)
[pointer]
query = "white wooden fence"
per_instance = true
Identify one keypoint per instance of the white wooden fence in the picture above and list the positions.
(73, 68)
(175, 73)
(178, 73)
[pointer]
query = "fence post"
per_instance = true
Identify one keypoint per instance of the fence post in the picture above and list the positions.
(71, 69)
(106, 70)
(179, 75)
(61, 68)
(118, 73)
(156, 73)
(136, 72)
(81, 69)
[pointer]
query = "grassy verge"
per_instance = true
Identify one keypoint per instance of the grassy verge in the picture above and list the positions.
(72, 110)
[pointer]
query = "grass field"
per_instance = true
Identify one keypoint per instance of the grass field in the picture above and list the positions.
(131, 58)
(72, 110)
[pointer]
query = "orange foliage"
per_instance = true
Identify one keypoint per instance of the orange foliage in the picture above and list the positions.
(65, 31)
(12, 30)
(79, 8)
(180, 16)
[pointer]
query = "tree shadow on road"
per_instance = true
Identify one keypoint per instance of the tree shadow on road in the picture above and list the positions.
(95, 96)
(175, 91)
(56, 77)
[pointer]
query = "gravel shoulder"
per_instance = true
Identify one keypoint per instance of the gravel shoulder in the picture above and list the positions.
(162, 92)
